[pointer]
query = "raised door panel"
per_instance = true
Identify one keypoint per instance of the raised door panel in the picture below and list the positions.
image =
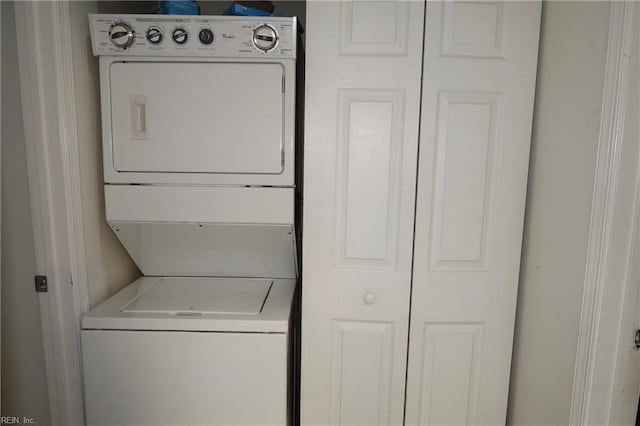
(362, 363)
(374, 28)
(477, 102)
(361, 135)
(463, 179)
(473, 29)
(450, 373)
(369, 149)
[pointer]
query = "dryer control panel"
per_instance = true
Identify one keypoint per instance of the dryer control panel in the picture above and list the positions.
(197, 35)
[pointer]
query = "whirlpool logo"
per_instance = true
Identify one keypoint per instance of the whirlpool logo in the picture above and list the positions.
(228, 36)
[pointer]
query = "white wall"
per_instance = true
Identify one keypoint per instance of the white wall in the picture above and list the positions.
(565, 134)
(24, 386)
(109, 267)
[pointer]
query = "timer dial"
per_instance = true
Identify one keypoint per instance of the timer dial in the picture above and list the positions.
(265, 37)
(122, 34)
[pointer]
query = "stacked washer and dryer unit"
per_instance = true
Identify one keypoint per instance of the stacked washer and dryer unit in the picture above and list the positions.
(198, 126)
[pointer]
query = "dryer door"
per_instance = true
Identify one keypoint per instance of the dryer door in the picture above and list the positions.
(198, 117)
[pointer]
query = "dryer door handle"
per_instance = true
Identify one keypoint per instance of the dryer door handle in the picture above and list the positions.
(138, 117)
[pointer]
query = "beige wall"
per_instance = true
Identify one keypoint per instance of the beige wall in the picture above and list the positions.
(24, 384)
(109, 267)
(565, 134)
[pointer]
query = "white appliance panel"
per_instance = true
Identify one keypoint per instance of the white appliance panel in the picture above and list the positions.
(205, 231)
(232, 35)
(198, 204)
(207, 129)
(200, 117)
(273, 316)
(201, 296)
(223, 250)
(185, 378)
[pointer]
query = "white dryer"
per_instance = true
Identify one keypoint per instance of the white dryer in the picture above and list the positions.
(198, 121)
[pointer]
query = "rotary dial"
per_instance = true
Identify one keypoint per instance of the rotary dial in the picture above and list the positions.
(154, 35)
(180, 35)
(122, 34)
(265, 37)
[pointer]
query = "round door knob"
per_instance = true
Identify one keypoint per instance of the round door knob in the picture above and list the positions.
(205, 36)
(122, 34)
(180, 35)
(265, 37)
(154, 35)
(369, 298)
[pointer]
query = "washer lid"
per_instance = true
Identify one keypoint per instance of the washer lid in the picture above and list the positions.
(201, 296)
(226, 304)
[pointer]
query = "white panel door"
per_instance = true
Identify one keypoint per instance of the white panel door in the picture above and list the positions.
(477, 101)
(362, 112)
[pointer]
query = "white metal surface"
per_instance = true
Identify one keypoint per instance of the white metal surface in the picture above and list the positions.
(205, 231)
(184, 110)
(202, 296)
(192, 249)
(233, 35)
(219, 114)
(167, 309)
(185, 378)
(197, 117)
(201, 130)
(198, 204)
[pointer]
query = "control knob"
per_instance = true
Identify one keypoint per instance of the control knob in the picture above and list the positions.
(180, 35)
(206, 36)
(154, 35)
(122, 34)
(265, 37)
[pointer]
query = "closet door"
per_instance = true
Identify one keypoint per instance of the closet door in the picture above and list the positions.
(478, 87)
(362, 114)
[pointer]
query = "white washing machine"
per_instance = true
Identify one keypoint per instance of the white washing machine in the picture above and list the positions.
(198, 122)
